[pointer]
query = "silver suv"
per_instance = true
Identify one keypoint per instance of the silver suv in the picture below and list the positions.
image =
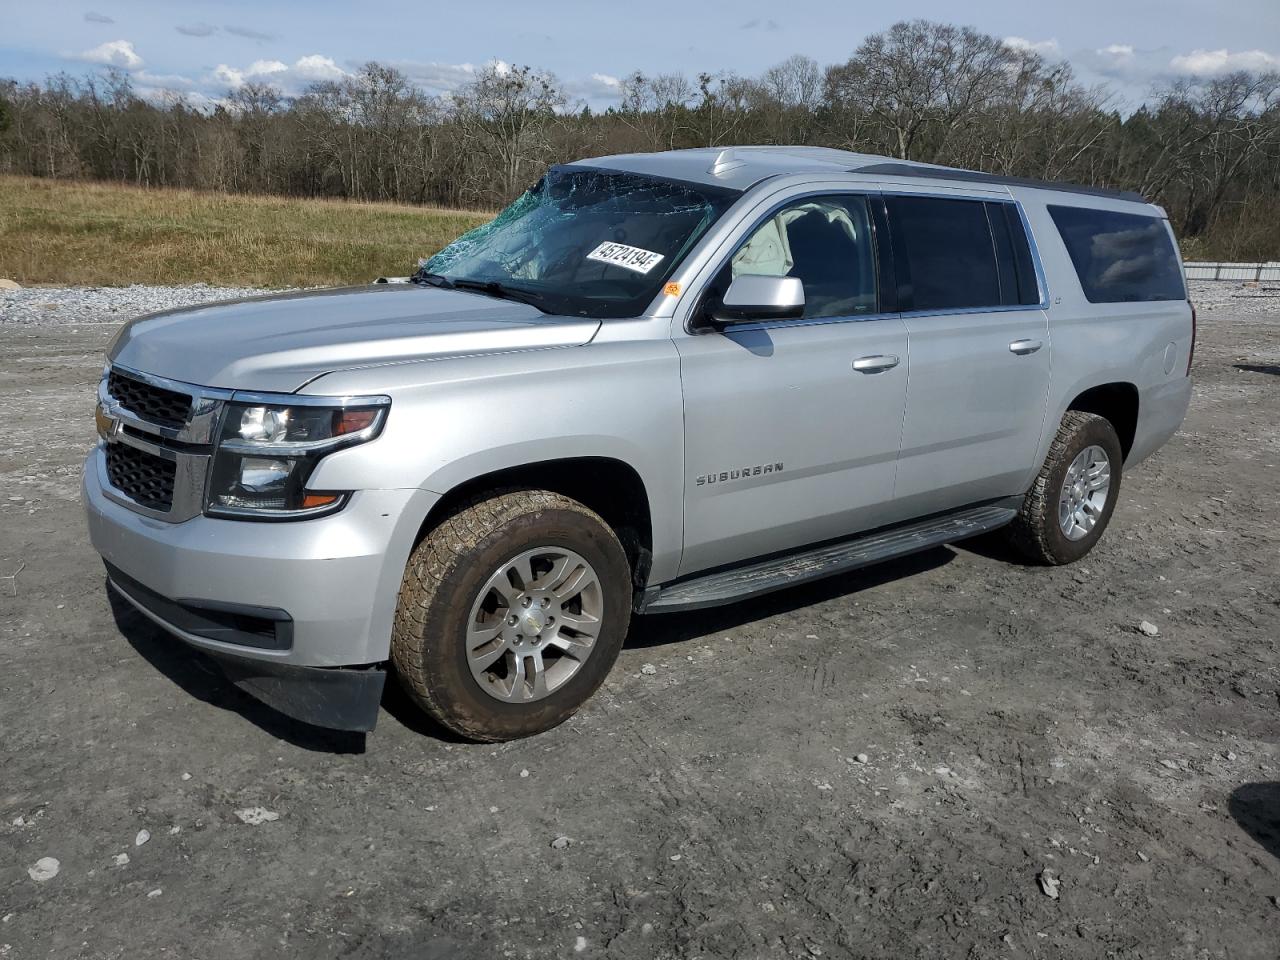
(653, 383)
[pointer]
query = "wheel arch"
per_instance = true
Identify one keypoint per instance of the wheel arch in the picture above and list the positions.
(611, 487)
(1117, 402)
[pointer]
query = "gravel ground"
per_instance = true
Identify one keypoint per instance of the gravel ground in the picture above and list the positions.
(82, 305)
(952, 755)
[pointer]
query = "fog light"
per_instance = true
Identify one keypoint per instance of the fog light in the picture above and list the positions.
(259, 475)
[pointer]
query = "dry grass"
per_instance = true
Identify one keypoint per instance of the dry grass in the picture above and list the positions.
(92, 233)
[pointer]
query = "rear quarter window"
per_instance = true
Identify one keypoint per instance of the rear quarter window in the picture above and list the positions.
(1120, 257)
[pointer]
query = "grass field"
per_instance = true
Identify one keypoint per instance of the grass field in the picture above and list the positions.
(55, 232)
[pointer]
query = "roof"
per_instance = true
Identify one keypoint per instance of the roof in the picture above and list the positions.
(741, 167)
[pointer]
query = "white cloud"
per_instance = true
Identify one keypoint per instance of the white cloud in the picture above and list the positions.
(1203, 63)
(1115, 50)
(113, 53)
(314, 67)
(1046, 48)
(228, 75)
(290, 79)
(264, 68)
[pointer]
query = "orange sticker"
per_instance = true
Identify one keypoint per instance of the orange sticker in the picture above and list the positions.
(672, 289)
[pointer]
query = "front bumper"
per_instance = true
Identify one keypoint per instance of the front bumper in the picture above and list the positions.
(278, 604)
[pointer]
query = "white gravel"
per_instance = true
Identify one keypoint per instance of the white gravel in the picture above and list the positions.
(84, 305)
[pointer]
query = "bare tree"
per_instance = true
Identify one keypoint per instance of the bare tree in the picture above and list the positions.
(505, 114)
(786, 100)
(1207, 150)
(722, 110)
(656, 107)
(920, 81)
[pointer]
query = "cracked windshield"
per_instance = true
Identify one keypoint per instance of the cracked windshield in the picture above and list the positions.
(584, 242)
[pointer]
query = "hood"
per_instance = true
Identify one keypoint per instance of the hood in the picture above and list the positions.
(280, 342)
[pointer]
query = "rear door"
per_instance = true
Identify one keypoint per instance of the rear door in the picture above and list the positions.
(979, 351)
(792, 426)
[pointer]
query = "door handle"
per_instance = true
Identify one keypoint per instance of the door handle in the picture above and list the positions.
(1024, 347)
(876, 363)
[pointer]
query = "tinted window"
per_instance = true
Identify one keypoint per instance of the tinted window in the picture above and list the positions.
(945, 253)
(827, 243)
(1028, 284)
(1013, 256)
(1120, 257)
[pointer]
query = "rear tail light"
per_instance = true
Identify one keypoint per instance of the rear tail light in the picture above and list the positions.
(1192, 352)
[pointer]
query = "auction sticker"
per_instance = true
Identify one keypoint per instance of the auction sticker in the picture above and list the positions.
(629, 258)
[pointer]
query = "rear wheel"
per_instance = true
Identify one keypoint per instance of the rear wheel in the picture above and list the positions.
(1070, 504)
(511, 614)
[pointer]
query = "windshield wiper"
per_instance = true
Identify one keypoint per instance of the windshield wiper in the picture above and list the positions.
(496, 289)
(434, 279)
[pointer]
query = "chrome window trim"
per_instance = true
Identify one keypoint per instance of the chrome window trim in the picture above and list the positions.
(801, 322)
(960, 311)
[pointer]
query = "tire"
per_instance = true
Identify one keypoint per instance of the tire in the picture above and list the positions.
(1038, 532)
(458, 586)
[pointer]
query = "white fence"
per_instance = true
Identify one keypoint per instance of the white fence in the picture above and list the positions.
(1233, 271)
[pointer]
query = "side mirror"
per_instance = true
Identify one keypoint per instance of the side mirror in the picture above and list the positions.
(752, 297)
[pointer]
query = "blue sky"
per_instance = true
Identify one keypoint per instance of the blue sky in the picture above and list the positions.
(204, 47)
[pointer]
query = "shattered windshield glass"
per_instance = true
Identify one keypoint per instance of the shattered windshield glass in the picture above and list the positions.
(583, 242)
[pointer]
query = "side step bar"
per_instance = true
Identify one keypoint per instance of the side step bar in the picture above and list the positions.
(778, 573)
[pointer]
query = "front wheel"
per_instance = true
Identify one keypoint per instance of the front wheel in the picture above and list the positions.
(511, 614)
(1070, 504)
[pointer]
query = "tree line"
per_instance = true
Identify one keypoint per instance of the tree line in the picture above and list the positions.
(1208, 150)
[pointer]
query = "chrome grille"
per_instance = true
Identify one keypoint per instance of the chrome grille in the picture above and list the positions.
(159, 444)
(143, 477)
(168, 408)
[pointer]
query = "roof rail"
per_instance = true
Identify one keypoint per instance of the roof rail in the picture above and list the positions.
(973, 176)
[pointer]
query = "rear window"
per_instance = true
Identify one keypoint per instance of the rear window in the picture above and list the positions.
(1120, 257)
(960, 254)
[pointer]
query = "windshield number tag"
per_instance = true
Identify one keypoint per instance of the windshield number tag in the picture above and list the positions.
(629, 258)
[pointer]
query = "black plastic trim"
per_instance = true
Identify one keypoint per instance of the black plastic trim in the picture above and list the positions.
(337, 698)
(886, 265)
(262, 628)
(759, 576)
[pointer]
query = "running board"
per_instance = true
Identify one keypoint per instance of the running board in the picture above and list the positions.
(778, 573)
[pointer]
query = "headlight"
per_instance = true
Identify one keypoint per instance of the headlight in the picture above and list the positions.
(267, 452)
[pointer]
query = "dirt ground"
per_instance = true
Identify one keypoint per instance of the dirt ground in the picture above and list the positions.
(1014, 720)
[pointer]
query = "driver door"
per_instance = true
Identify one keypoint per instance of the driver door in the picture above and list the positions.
(792, 427)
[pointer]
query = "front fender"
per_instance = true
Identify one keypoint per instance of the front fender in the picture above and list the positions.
(452, 421)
